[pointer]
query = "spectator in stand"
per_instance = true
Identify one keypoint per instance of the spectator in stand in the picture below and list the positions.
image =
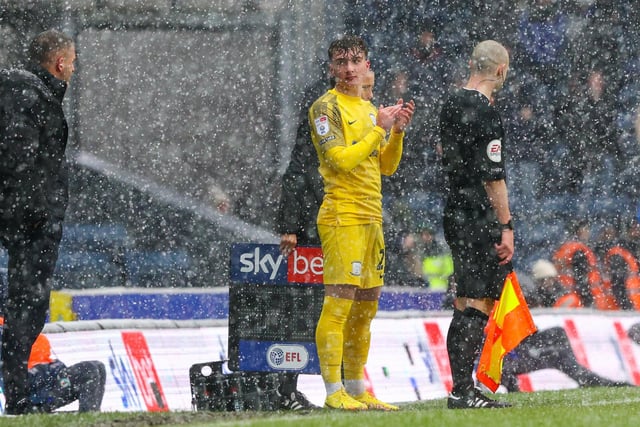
(219, 199)
(411, 175)
(607, 236)
(435, 261)
(401, 248)
(547, 291)
(423, 260)
(616, 248)
(542, 41)
(430, 74)
(529, 120)
(602, 43)
(588, 125)
(629, 180)
(579, 268)
(578, 261)
(631, 236)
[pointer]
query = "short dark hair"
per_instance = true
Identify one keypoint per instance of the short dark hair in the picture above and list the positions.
(47, 44)
(347, 43)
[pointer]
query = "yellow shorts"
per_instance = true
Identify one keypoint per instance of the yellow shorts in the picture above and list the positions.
(353, 255)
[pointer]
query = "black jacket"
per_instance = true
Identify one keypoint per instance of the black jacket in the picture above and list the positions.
(33, 140)
(302, 187)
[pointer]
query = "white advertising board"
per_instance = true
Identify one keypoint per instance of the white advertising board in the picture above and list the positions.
(148, 367)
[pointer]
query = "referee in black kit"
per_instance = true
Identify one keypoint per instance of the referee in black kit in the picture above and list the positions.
(477, 220)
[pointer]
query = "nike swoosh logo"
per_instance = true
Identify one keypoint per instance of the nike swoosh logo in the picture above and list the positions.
(350, 122)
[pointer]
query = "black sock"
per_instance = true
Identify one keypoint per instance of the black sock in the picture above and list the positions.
(464, 341)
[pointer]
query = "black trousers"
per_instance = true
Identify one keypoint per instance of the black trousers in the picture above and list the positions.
(88, 380)
(54, 385)
(32, 259)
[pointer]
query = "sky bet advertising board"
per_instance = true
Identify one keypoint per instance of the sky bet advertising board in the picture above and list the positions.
(274, 305)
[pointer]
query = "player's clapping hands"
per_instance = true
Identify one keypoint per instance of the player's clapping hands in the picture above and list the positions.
(404, 116)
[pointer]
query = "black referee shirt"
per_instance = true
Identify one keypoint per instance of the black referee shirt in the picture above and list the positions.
(472, 139)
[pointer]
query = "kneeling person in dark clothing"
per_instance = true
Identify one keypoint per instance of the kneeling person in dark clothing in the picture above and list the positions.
(550, 349)
(52, 384)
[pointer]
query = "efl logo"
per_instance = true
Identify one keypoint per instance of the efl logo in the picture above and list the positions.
(287, 356)
(305, 265)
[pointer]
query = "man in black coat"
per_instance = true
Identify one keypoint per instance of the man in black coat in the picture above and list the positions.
(302, 192)
(302, 188)
(33, 197)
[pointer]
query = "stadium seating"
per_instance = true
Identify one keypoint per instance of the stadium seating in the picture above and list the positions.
(157, 268)
(91, 255)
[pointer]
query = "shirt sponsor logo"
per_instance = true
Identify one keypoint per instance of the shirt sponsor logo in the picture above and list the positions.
(322, 125)
(494, 150)
(327, 139)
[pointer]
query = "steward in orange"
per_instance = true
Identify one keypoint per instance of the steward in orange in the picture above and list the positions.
(623, 270)
(578, 272)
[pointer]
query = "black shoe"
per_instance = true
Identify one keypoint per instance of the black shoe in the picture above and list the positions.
(474, 399)
(22, 407)
(296, 401)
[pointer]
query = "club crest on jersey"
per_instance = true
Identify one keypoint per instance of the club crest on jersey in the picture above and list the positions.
(494, 150)
(356, 268)
(373, 118)
(322, 125)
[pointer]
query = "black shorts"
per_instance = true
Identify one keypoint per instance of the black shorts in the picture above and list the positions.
(475, 261)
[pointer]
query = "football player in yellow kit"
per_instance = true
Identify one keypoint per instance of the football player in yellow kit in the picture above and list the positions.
(350, 137)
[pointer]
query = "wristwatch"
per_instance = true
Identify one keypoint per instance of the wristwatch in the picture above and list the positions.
(508, 225)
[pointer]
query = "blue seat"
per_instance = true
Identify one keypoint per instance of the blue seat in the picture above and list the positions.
(426, 207)
(611, 208)
(153, 269)
(94, 237)
(91, 255)
(87, 269)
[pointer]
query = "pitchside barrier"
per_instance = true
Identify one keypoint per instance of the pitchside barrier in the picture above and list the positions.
(163, 365)
(148, 361)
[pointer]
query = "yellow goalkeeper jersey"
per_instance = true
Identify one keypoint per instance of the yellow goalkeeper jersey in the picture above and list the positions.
(353, 154)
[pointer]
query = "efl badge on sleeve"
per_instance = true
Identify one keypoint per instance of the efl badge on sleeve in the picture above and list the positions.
(322, 125)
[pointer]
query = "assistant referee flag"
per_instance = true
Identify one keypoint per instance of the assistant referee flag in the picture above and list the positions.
(510, 322)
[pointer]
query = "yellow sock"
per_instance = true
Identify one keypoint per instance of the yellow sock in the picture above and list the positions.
(329, 337)
(357, 338)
